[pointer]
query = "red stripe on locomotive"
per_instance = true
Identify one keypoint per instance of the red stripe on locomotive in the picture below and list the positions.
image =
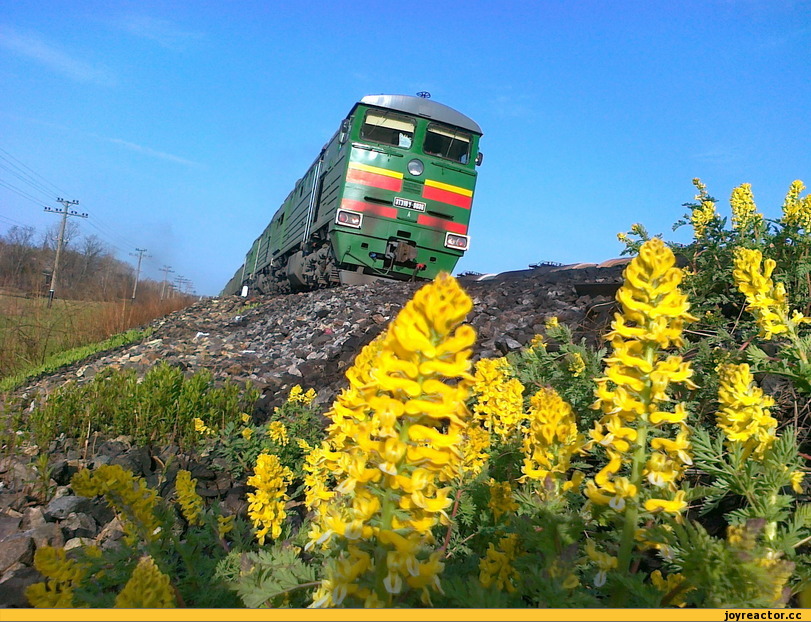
(446, 196)
(439, 223)
(375, 180)
(369, 208)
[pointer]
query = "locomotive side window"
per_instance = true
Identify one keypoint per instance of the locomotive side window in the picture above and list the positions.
(391, 129)
(447, 143)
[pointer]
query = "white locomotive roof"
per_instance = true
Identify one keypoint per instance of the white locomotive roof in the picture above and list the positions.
(423, 107)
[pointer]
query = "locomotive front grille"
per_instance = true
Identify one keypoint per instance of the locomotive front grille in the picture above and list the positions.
(412, 187)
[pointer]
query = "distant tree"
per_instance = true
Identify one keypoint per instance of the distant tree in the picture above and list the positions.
(88, 268)
(51, 235)
(19, 265)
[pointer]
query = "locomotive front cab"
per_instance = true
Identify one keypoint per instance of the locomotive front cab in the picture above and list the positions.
(410, 177)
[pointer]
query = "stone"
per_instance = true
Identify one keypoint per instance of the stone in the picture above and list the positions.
(75, 543)
(32, 518)
(48, 534)
(17, 548)
(59, 508)
(9, 525)
(12, 589)
(78, 525)
(507, 344)
(113, 530)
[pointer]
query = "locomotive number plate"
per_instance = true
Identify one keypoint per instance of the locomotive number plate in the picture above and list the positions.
(409, 203)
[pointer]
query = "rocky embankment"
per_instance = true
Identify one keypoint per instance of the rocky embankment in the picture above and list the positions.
(273, 342)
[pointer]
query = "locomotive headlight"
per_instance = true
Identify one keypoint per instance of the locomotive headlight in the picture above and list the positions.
(349, 219)
(459, 242)
(415, 167)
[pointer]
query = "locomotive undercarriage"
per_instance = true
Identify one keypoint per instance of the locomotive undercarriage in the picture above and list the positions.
(318, 268)
(298, 272)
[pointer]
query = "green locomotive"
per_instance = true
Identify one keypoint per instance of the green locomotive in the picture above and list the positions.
(389, 196)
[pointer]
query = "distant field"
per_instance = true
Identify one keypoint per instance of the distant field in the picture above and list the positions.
(30, 332)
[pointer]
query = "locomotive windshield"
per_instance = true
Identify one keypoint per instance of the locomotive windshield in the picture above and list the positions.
(447, 143)
(388, 128)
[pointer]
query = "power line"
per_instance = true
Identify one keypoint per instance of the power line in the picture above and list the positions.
(29, 176)
(23, 176)
(20, 192)
(41, 184)
(11, 221)
(106, 237)
(184, 283)
(33, 173)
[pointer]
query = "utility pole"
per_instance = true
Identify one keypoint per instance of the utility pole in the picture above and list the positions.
(179, 280)
(141, 252)
(166, 270)
(65, 213)
(185, 284)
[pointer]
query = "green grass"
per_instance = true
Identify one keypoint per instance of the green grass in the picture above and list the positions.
(59, 359)
(159, 407)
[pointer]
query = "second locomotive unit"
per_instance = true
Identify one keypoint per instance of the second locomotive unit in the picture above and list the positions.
(389, 196)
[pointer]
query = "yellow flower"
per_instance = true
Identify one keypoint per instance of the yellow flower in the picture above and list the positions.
(702, 189)
(317, 471)
(742, 537)
(744, 414)
(501, 498)
(63, 576)
(662, 471)
(676, 505)
(278, 433)
(128, 495)
(496, 567)
(200, 427)
(225, 524)
(245, 417)
(552, 322)
(499, 398)
(766, 300)
(603, 561)
(550, 441)
(745, 217)
(796, 210)
(247, 433)
(147, 588)
(672, 585)
(538, 341)
(779, 572)
(190, 502)
(643, 458)
(266, 505)
(796, 481)
(297, 394)
(396, 441)
(576, 363)
(701, 217)
(678, 448)
(475, 447)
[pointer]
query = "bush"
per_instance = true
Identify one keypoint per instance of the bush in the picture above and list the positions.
(658, 473)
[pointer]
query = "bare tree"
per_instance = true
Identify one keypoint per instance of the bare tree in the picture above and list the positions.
(18, 265)
(51, 235)
(92, 249)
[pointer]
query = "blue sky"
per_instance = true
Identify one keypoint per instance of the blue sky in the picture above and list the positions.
(181, 126)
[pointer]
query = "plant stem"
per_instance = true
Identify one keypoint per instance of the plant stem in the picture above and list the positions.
(444, 547)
